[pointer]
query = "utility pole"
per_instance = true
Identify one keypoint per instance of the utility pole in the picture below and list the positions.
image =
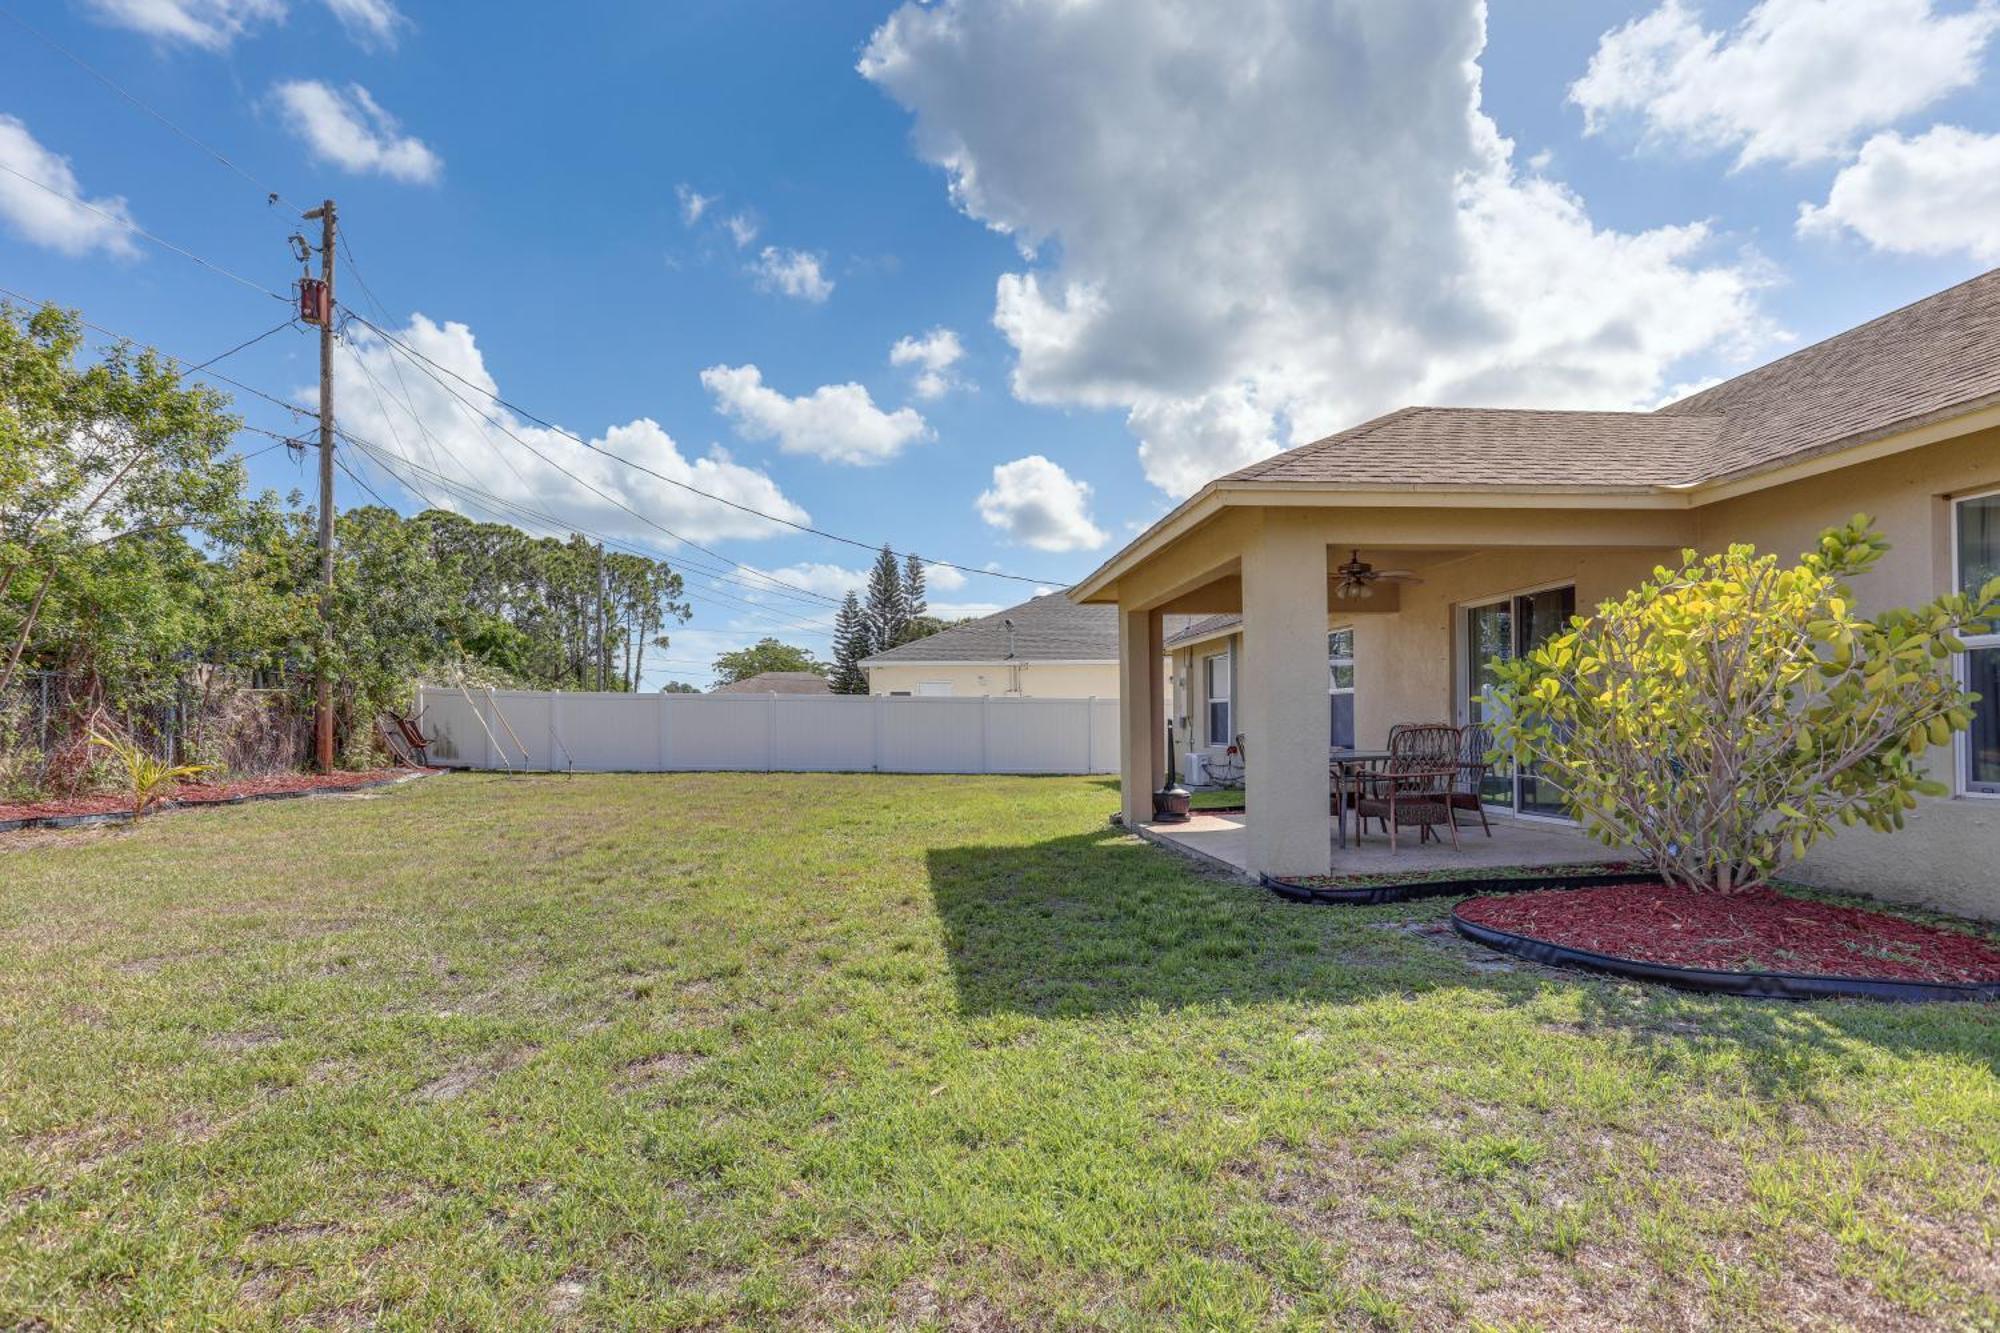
(323, 686)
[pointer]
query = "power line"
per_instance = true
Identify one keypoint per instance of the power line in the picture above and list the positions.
(247, 342)
(105, 79)
(672, 481)
(423, 364)
(135, 228)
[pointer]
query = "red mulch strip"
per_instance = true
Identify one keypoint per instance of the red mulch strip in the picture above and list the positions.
(203, 793)
(1757, 931)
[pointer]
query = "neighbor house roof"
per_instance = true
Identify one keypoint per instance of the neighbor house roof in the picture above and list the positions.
(777, 682)
(1205, 627)
(1046, 629)
(1934, 358)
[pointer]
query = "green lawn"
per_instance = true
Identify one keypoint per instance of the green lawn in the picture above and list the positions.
(937, 1052)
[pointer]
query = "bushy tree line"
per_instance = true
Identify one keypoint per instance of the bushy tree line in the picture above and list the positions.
(132, 556)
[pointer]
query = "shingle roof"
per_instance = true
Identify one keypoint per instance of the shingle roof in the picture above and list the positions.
(1046, 629)
(1205, 626)
(1927, 360)
(1485, 446)
(778, 682)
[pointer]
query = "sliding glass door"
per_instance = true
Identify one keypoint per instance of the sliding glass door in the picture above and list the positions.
(1505, 629)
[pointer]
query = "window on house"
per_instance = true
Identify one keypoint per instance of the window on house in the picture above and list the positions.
(1215, 676)
(1978, 543)
(1340, 684)
(934, 688)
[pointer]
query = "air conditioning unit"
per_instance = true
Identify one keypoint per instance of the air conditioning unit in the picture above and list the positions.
(1197, 769)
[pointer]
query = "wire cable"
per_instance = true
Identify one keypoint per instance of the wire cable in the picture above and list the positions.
(247, 342)
(546, 424)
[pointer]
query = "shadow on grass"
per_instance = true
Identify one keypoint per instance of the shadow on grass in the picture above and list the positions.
(1099, 923)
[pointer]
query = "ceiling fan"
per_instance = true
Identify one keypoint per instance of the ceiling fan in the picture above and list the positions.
(1357, 578)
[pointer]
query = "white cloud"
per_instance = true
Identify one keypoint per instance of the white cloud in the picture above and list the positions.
(1275, 218)
(966, 610)
(934, 355)
(693, 202)
(1795, 81)
(837, 422)
(742, 229)
(943, 578)
(384, 396)
(374, 24)
(210, 24)
(1935, 194)
(829, 580)
(351, 130)
(790, 273)
(39, 216)
(214, 25)
(1038, 504)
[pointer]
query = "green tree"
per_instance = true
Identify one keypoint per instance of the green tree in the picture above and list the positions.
(914, 604)
(678, 687)
(1727, 715)
(888, 611)
(850, 645)
(766, 654)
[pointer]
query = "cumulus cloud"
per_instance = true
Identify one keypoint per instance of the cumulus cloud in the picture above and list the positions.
(36, 215)
(1275, 218)
(794, 273)
(214, 25)
(693, 202)
(390, 403)
(934, 355)
(1795, 81)
(1038, 504)
(351, 130)
(837, 422)
(1937, 193)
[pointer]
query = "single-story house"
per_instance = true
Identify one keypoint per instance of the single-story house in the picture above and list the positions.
(777, 682)
(1514, 518)
(1047, 648)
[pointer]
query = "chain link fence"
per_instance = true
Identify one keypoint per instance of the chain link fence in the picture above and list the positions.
(241, 723)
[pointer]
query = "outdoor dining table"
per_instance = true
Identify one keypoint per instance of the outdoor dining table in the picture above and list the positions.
(1342, 762)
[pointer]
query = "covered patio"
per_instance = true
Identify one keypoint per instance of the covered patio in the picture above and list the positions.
(1223, 841)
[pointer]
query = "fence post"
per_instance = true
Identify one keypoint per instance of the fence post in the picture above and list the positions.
(875, 731)
(985, 733)
(770, 731)
(1090, 734)
(660, 731)
(555, 729)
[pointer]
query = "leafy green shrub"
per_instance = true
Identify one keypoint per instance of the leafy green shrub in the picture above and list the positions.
(1725, 716)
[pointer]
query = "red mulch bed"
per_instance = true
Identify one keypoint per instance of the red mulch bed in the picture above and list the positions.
(1757, 931)
(203, 793)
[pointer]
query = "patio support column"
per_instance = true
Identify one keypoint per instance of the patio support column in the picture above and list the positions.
(1287, 717)
(1142, 705)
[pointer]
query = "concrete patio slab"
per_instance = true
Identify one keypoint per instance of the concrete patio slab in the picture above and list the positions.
(1221, 840)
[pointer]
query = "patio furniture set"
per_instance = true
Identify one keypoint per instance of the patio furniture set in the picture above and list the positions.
(1426, 776)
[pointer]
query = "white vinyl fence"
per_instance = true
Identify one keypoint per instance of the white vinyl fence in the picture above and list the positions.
(556, 731)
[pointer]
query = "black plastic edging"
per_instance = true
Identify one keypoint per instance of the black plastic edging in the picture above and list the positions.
(125, 816)
(1374, 895)
(1751, 985)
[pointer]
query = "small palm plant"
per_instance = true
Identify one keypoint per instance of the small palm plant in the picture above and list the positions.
(147, 778)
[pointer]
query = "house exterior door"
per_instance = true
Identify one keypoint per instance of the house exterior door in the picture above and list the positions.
(1505, 629)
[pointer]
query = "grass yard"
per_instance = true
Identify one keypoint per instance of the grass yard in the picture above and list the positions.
(936, 1052)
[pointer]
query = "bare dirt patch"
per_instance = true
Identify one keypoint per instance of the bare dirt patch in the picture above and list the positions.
(464, 1078)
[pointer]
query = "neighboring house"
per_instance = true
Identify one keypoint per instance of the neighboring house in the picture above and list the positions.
(1048, 648)
(777, 682)
(1513, 519)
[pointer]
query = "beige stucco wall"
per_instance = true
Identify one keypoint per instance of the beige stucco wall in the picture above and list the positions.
(1036, 680)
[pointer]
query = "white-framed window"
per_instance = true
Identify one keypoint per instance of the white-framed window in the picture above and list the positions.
(934, 688)
(1340, 683)
(1976, 551)
(1215, 680)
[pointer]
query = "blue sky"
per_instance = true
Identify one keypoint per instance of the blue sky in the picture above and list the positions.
(1160, 239)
